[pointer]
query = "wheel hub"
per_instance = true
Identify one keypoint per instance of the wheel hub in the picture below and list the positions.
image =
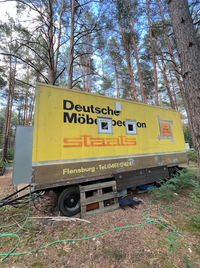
(72, 200)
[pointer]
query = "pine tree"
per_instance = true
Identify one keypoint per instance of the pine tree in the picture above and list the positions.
(189, 55)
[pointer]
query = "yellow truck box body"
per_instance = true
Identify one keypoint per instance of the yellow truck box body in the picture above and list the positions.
(78, 136)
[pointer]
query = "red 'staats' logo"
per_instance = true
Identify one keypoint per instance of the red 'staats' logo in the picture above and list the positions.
(89, 141)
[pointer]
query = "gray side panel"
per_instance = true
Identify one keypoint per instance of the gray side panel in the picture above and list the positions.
(23, 155)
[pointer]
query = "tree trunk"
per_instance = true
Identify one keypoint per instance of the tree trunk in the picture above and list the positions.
(189, 56)
(59, 37)
(86, 68)
(19, 115)
(26, 101)
(116, 79)
(4, 152)
(11, 100)
(153, 55)
(131, 25)
(31, 108)
(84, 78)
(104, 89)
(24, 116)
(173, 60)
(71, 54)
(129, 65)
(174, 93)
(90, 81)
(50, 43)
(163, 71)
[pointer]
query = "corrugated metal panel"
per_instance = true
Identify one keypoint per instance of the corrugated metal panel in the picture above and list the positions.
(23, 155)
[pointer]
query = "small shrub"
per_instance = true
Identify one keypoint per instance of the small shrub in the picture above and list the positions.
(187, 263)
(2, 164)
(188, 136)
(117, 254)
(164, 191)
(192, 156)
(171, 241)
(185, 178)
(10, 154)
(170, 210)
(195, 195)
(196, 221)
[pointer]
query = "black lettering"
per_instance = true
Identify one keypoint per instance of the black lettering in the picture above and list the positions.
(139, 124)
(119, 123)
(102, 110)
(89, 120)
(92, 108)
(78, 108)
(124, 123)
(81, 120)
(116, 113)
(110, 111)
(88, 109)
(65, 105)
(98, 110)
(66, 117)
(143, 125)
(95, 121)
(113, 122)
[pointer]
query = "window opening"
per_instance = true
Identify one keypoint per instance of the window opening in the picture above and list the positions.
(104, 125)
(131, 127)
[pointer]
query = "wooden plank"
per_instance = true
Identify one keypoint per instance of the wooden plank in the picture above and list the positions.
(100, 211)
(101, 204)
(83, 208)
(98, 198)
(115, 191)
(97, 186)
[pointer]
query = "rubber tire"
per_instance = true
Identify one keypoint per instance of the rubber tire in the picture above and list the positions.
(64, 196)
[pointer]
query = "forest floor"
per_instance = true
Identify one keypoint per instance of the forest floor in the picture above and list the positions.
(139, 247)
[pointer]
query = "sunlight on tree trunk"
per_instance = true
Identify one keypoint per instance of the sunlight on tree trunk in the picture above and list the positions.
(71, 55)
(131, 25)
(129, 65)
(189, 56)
(153, 55)
(173, 60)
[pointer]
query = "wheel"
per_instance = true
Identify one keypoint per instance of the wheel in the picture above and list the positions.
(69, 201)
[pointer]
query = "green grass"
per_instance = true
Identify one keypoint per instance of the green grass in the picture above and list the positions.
(6, 240)
(115, 254)
(37, 264)
(30, 226)
(160, 227)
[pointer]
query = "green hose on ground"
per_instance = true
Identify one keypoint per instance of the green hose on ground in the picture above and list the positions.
(25, 219)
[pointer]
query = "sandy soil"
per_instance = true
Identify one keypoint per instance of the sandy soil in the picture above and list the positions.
(141, 246)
